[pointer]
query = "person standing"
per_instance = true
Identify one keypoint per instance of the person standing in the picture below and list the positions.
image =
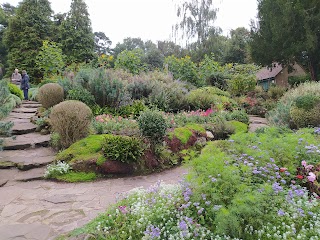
(16, 77)
(25, 84)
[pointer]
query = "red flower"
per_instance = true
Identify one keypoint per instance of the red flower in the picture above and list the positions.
(299, 176)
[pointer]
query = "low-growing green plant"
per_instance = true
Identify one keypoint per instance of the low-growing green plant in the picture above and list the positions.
(56, 169)
(122, 148)
(239, 126)
(238, 115)
(77, 177)
(152, 125)
(33, 92)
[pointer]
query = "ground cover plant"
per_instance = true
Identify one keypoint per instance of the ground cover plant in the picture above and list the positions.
(247, 187)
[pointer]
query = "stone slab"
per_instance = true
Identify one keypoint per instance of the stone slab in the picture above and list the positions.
(28, 105)
(33, 231)
(23, 128)
(24, 110)
(3, 182)
(26, 159)
(30, 175)
(26, 141)
(20, 115)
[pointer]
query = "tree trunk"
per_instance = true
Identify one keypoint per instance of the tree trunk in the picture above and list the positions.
(313, 69)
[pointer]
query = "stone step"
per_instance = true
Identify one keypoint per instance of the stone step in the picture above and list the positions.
(26, 141)
(28, 105)
(23, 128)
(16, 115)
(26, 159)
(9, 175)
(24, 110)
(29, 102)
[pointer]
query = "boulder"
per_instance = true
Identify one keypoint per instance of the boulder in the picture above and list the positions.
(116, 167)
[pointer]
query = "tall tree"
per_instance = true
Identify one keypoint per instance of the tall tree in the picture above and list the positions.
(129, 44)
(287, 31)
(238, 46)
(101, 43)
(77, 38)
(30, 25)
(197, 18)
(6, 12)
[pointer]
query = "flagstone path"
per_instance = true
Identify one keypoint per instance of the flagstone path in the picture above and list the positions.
(34, 209)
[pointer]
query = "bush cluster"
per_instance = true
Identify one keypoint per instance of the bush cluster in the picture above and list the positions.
(71, 120)
(15, 90)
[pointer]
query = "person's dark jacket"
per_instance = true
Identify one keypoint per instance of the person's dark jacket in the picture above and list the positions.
(24, 82)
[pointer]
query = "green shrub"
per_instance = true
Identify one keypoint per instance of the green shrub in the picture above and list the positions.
(280, 115)
(134, 109)
(241, 84)
(220, 128)
(210, 97)
(50, 94)
(307, 102)
(77, 177)
(152, 125)
(81, 94)
(140, 87)
(130, 61)
(184, 133)
(297, 80)
(305, 118)
(14, 89)
(239, 126)
(276, 92)
(71, 120)
(122, 148)
(238, 115)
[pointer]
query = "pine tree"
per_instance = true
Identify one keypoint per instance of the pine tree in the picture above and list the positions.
(77, 38)
(27, 29)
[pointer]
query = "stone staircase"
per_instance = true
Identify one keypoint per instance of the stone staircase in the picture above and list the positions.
(26, 153)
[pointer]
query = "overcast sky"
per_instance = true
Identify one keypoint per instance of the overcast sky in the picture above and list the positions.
(151, 19)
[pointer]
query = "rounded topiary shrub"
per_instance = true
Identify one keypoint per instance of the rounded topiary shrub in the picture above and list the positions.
(71, 120)
(152, 125)
(50, 94)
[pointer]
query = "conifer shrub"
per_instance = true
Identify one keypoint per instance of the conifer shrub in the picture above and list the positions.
(71, 120)
(50, 94)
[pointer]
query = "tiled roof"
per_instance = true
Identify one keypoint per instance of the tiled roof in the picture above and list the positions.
(266, 72)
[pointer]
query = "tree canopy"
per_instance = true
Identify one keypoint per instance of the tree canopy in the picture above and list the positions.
(77, 38)
(27, 29)
(287, 32)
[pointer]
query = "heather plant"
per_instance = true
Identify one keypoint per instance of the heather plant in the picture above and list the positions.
(71, 120)
(50, 94)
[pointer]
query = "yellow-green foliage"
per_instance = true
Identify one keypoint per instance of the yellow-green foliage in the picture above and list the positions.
(184, 133)
(207, 97)
(88, 148)
(71, 120)
(50, 94)
(239, 126)
(305, 118)
(14, 89)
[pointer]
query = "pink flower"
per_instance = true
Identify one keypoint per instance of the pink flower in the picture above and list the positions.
(312, 177)
(123, 209)
(283, 169)
(304, 163)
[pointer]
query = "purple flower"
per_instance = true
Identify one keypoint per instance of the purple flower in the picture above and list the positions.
(183, 225)
(276, 187)
(200, 210)
(281, 213)
(213, 179)
(152, 231)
